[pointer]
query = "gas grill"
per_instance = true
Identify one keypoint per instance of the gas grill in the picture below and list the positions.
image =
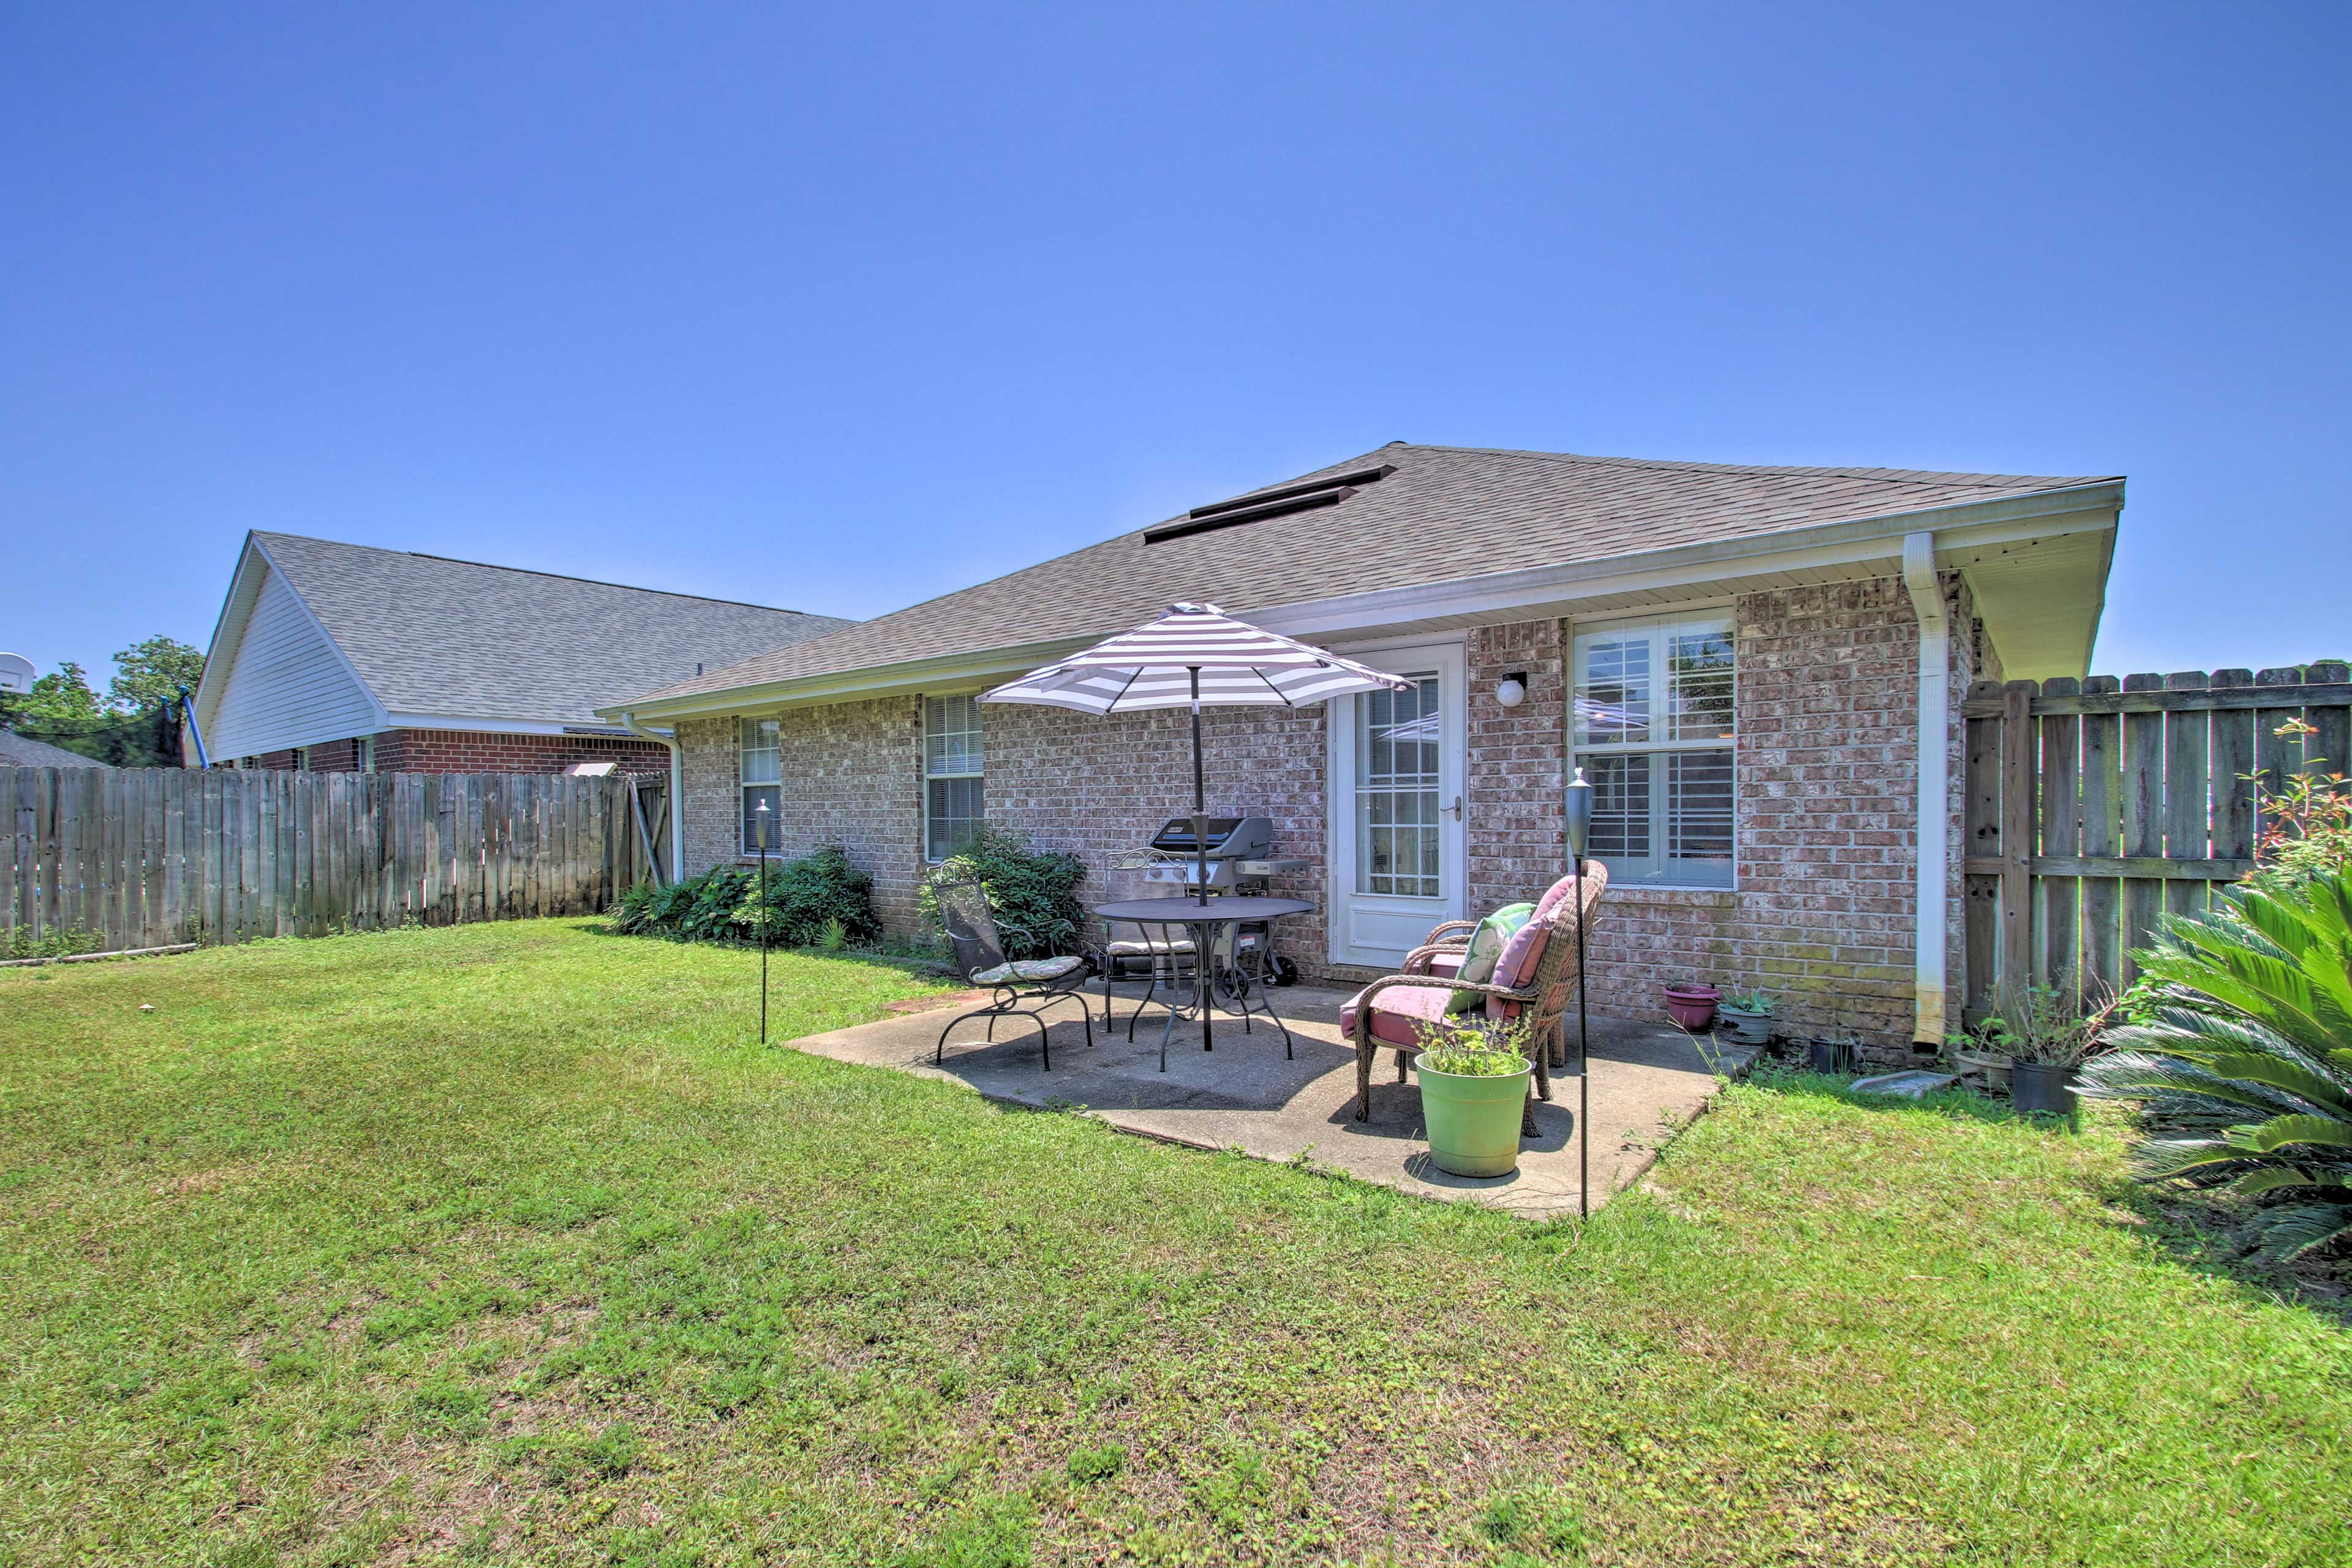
(1232, 842)
(1239, 861)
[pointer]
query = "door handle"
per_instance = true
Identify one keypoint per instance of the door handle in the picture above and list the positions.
(1455, 808)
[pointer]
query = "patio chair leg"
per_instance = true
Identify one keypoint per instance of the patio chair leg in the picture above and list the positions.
(1364, 1082)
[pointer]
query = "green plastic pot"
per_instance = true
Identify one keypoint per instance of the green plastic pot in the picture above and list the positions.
(1474, 1122)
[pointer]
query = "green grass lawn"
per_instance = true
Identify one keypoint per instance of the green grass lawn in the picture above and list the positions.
(506, 1244)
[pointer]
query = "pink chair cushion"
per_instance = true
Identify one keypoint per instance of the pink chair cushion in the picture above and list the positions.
(1559, 893)
(1401, 1012)
(1445, 963)
(1522, 953)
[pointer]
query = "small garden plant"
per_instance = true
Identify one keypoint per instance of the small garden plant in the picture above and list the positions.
(1756, 1001)
(1471, 1061)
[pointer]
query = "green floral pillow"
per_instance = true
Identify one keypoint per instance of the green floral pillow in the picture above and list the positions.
(1486, 946)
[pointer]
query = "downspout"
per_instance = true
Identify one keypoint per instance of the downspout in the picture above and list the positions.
(1935, 784)
(677, 792)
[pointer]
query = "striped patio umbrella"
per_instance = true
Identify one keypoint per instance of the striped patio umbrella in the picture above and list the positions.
(1194, 655)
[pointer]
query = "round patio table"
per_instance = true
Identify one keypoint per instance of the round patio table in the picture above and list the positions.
(1200, 921)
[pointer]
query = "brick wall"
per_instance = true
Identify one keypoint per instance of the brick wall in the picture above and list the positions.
(853, 776)
(1826, 766)
(477, 751)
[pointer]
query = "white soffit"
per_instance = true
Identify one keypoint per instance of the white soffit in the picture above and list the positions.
(2040, 598)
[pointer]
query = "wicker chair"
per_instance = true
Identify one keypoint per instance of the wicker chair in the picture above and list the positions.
(979, 959)
(1533, 982)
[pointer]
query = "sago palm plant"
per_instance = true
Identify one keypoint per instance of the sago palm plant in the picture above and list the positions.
(2240, 1049)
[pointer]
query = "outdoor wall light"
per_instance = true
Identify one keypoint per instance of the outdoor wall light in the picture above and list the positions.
(1514, 689)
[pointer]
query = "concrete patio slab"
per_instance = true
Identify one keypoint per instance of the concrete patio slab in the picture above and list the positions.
(1648, 1079)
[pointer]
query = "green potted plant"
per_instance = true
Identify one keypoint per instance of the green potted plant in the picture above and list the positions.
(1474, 1092)
(1749, 1016)
(2046, 1038)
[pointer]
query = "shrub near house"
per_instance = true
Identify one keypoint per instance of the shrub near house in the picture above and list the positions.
(818, 898)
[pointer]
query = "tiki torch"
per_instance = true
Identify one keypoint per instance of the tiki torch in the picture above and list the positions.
(1580, 834)
(760, 818)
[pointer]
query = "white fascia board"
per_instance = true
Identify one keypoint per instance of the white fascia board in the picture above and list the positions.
(404, 721)
(237, 606)
(1970, 525)
(383, 717)
(1967, 525)
(954, 672)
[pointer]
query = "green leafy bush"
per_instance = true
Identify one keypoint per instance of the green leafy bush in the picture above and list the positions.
(18, 942)
(2240, 1053)
(819, 899)
(1033, 893)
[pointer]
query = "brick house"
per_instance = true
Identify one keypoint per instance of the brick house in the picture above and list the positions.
(1732, 655)
(347, 657)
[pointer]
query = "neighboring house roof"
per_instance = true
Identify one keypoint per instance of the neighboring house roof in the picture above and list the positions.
(24, 752)
(333, 639)
(1443, 514)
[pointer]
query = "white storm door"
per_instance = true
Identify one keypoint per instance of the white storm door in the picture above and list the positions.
(1396, 850)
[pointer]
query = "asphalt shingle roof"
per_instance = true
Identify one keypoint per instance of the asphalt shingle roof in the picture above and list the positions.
(431, 635)
(24, 752)
(1446, 511)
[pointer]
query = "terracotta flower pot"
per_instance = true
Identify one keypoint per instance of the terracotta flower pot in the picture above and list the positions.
(1692, 1006)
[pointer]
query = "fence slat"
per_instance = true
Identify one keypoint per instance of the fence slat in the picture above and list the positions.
(2187, 783)
(2101, 766)
(2060, 809)
(2143, 816)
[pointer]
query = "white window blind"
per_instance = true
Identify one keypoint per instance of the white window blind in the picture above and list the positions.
(761, 767)
(952, 765)
(1653, 733)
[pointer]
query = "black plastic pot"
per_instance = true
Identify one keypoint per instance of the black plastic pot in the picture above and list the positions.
(2038, 1086)
(1825, 1054)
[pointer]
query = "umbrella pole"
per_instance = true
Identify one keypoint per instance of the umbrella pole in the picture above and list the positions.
(1200, 811)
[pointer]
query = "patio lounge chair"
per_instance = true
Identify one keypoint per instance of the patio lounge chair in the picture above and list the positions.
(1534, 979)
(979, 959)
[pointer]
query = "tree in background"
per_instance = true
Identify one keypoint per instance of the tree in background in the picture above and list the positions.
(137, 725)
(152, 671)
(64, 693)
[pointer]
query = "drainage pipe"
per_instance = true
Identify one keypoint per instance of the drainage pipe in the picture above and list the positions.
(677, 792)
(1935, 784)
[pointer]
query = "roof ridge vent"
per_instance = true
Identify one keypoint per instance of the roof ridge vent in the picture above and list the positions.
(1259, 505)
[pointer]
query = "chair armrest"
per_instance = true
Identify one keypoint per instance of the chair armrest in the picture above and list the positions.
(1436, 932)
(1417, 962)
(1509, 994)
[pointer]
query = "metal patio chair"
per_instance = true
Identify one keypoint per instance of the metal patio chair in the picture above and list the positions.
(1026, 986)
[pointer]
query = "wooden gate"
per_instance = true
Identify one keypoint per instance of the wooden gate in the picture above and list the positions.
(2095, 806)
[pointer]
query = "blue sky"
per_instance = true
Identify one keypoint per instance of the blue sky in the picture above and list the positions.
(838, 307)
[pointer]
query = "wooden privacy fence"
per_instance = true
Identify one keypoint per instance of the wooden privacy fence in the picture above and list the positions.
(2094, 806)
(145, 857)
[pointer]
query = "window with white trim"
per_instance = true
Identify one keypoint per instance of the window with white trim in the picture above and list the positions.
(951, 770)
(761, 767)
(1652, 731)
(365, 748)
